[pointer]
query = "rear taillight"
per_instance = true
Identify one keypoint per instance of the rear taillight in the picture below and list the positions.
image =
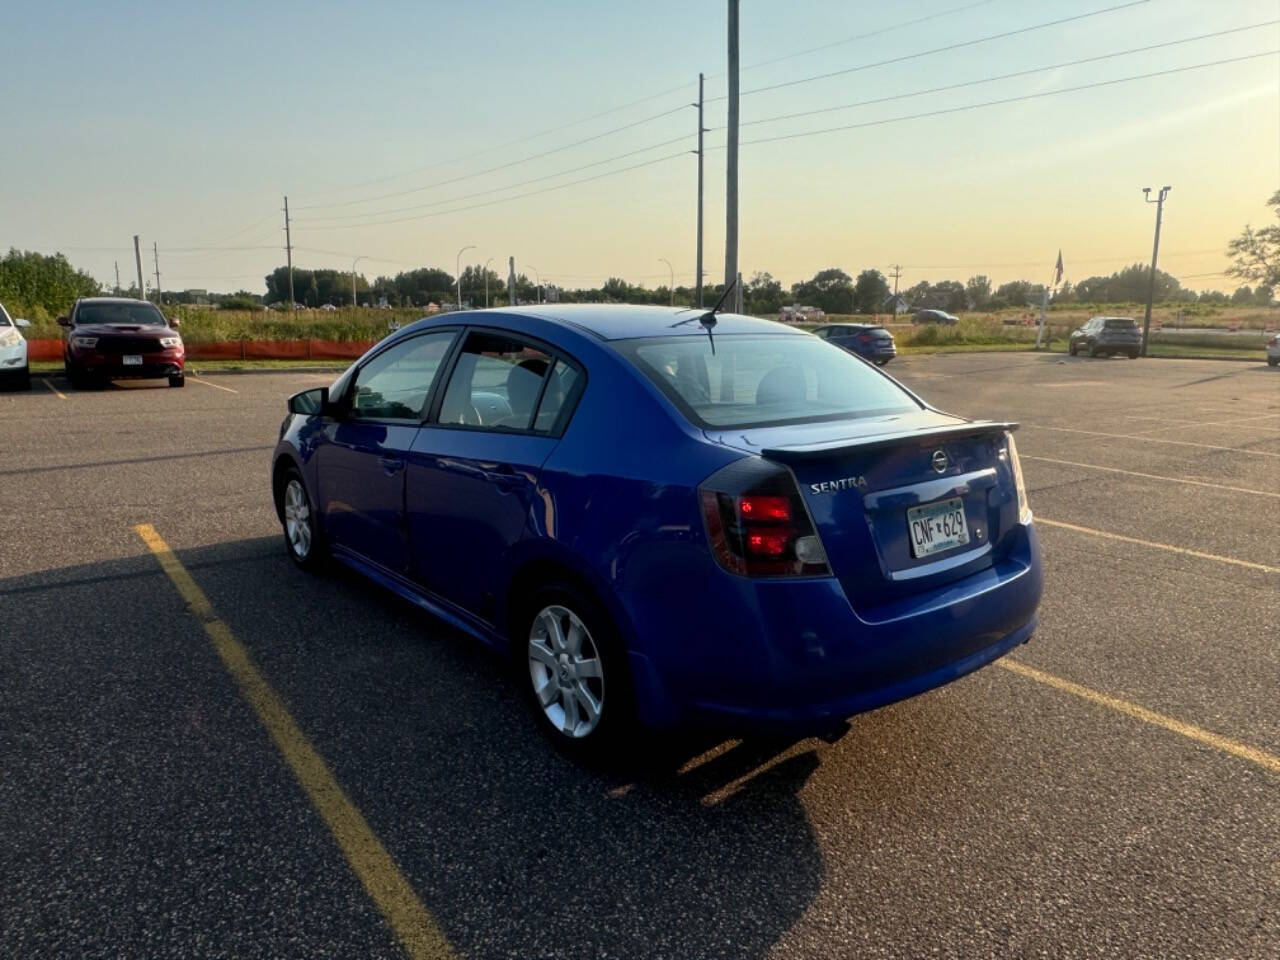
(865, 338)
(1024, 508)
(757, 523)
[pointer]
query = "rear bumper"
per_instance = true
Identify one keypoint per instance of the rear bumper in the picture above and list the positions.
(795, 657)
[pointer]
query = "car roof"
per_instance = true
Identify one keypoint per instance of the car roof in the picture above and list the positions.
(114, 300)
(619, 321)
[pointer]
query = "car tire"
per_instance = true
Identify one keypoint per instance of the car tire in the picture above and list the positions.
(177, 379)
(1273, 363)
(1071, 349)
(77, 377)
(24, 379)
(302, 538)
(1094, 351)
(578, 686)
(881, 363)
(1133, 355)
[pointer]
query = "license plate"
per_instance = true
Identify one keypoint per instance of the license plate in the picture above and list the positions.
(133, 361)
(936, 527)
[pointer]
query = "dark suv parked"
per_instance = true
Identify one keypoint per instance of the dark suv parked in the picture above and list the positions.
(1103, 336)
(113, 338)
(867, 340)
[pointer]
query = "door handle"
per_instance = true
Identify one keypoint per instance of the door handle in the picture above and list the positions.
(391, 465)
(503, 476)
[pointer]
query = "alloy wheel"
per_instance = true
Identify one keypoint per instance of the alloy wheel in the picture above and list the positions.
(566, 671)
(297, 519)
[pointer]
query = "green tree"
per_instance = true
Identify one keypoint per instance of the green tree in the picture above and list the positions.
(762, 294)
(870, 291)
(1242, 295)
(1256, 253)
(978, 292)
(33, 282)
(830, 289)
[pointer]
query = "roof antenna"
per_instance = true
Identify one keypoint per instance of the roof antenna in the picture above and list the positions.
(708, 319)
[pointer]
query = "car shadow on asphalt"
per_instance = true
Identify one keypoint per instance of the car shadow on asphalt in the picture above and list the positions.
(695, 847)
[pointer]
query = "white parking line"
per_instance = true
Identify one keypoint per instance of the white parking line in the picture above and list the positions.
(1153, 476)
(1158, 546)
(208, 384)
(1248, 423)
(56, 392)
(1134, 436)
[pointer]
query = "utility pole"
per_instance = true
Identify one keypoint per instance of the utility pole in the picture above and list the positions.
(137, 256)
(288, 250)
(486, 282)
(155, 253)
(672, 287)
(511, 282)
(701, 131)
(117, 278)
(1155, 253)
(354, 302)
(731, 169)
(897, 272)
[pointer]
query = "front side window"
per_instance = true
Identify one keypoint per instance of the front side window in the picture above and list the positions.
(126, 313)
(497, 383)
(395, 384)
(765, 380)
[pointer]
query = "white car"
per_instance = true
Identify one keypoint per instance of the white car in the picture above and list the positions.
(13, 352)
(1273, 351)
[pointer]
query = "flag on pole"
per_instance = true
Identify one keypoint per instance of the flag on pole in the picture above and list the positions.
(1057, 270)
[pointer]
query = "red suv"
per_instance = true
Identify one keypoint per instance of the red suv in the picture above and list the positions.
(113, 338)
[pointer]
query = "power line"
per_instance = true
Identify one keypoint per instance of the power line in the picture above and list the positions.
(519, 196)
(1005, 76)
(646, 99)
(1006, 100)
(951, 46)
(503, 166)
(510, 186)
(862, 36)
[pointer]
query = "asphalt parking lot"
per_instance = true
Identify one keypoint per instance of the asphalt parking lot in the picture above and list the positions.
(1112, 789)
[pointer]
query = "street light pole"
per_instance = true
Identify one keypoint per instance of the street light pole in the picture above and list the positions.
(1155, 252)
(457, 270)
(486, 282)
(354, 302)
(538, 282)
(670, 270)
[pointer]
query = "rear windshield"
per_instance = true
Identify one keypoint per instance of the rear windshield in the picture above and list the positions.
(1120, 323)
(742, 381)
(130, 313)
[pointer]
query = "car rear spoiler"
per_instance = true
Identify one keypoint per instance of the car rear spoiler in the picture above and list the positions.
(800, 451)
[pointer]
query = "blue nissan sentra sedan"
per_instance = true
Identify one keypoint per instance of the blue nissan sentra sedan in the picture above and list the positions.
(667, 516)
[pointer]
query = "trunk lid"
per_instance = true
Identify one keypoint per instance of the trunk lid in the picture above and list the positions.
(859, 478)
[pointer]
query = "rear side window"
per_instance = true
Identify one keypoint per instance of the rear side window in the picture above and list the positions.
(501, 382)
(563, 387)
(764, 380)
(394, 385)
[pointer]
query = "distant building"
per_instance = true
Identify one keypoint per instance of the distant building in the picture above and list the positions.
(895, 304)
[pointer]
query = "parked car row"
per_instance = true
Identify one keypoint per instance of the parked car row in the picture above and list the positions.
(15, 369)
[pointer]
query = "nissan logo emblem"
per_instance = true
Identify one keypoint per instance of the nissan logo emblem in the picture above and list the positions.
(939, 461)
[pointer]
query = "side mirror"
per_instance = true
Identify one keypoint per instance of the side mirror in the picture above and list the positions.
(64, 321)
(19, 322)
(310, 403)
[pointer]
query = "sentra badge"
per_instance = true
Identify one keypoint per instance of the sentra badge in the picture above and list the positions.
(844, 483)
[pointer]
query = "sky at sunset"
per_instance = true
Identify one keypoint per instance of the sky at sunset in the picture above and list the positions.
(404, 131)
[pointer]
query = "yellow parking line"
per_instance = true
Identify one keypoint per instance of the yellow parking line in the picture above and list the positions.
(1152, 476)
(207, 383)
(1134, 436)
(1268, 761)
(386, 885)
(56, 392)
(1158, 546)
